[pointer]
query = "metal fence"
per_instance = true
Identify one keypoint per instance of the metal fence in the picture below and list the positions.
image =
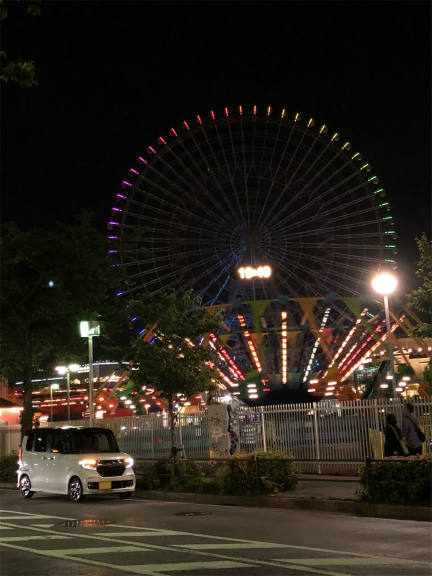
(323, 437)
(328, 430)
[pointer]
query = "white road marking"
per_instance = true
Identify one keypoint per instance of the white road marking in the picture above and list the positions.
(145, 546)
(124, 534)
(5, 528)
(38, 537)
(373, 560)
(176, 566)
(227, 545)
(98, 550)
(33, 517)
(43, 525)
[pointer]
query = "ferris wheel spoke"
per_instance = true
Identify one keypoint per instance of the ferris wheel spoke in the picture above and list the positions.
(200, 198)
(230, 174)
(298, 195)
(222, 196)
(274, 178)
(335, 212)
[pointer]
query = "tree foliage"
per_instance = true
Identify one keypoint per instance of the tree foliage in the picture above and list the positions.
(19, 72)
(170, 357)
(421, 298)
(51, 279)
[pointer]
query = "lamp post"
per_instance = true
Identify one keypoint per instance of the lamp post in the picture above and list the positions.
(52, 387)
(88, 330)
(62, 370)
(385, 284)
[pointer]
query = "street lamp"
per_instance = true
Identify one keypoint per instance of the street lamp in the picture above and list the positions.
(385, 284)
(52, 387)
(62, 370)
(88, 330)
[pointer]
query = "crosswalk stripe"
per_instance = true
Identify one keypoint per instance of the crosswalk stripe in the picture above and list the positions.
(39, 537)
(32, 517)
(97, 550)
(188, 566)
(227, 545)
(349, 561)
(126, 534)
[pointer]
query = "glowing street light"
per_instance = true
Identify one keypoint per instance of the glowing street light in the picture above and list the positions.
(62, 370)
(52, 387)
(385, 284)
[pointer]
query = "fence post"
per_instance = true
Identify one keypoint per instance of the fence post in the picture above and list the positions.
(316, 437)
(263, 429)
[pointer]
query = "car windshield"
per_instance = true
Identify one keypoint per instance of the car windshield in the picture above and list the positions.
(91, 440)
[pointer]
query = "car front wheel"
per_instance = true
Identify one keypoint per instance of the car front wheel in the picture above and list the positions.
(25, 487)
(75, 491)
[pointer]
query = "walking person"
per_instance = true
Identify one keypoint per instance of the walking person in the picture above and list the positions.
(409, 430)
(393, 445)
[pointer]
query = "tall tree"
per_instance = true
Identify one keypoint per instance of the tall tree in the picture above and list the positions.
(421, 298)
(50, 280)
(172, 359)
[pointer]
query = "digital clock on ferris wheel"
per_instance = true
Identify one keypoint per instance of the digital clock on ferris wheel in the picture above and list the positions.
(250, 272)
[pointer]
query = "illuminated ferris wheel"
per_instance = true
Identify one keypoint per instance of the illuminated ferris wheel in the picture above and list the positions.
(251, 188)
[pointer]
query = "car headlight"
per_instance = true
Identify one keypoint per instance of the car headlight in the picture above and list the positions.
(88, 463)
(129, 462)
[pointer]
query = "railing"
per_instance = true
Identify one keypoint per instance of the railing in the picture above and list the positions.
(313, 433)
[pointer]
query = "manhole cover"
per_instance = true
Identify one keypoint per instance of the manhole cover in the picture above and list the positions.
(88, 523)
(192, 514)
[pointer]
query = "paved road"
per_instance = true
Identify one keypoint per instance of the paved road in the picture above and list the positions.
(48, 536)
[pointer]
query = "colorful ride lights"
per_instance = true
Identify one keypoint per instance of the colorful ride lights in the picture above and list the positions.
(249, 342)
(284, 346)
(249, 272)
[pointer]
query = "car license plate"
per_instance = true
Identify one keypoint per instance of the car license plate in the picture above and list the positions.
(104, 485)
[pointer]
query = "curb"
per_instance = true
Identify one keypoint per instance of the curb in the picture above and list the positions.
(419, 513)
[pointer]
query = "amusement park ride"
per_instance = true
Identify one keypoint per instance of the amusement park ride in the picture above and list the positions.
(277, 223)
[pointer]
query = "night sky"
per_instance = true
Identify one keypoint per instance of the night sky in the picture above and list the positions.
(113, 76)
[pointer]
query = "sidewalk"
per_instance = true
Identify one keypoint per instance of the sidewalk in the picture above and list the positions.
(334, 494)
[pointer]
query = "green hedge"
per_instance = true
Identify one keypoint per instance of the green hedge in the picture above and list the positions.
(405, 482)
(259, 473)
(8, 468)
(243, 474)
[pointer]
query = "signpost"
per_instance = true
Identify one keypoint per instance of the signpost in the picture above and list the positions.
(88, 330)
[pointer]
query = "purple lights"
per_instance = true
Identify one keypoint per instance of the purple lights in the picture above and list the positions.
(116, 209)
(119, 293)
(141, 159)
(132, 170)
(112, 251)
(121, 196)
(113, 237)
(151, 149)
(114, 223)
(162, 140)
(126, 183)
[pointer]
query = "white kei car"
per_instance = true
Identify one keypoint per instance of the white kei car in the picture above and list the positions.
(76, 461)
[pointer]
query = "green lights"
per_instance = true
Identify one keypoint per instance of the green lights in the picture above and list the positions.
(390, 232)
(379, 190)
(390, 246)
(387, 218)
(383, 204)
(390, 260)
(365, 166)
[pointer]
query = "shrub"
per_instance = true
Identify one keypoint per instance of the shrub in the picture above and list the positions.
(258, 473)
(8, 468)
(398, 481)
